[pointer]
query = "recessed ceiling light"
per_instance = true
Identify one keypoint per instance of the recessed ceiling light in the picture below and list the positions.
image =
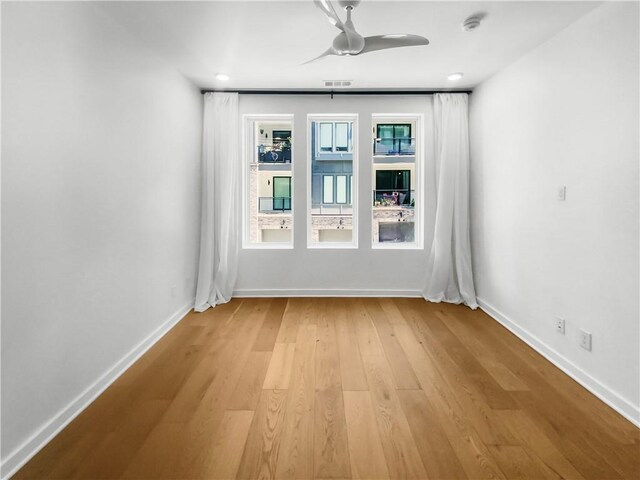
(223, 77)
(455, 76)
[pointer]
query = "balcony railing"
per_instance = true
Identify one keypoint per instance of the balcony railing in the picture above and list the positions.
(274, 154)
(393, 198)
(331, 209)
(394, 146)
(274, 204)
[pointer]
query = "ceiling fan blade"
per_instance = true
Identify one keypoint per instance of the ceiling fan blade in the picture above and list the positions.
(329, 51)
(382, 42)
(328, 10)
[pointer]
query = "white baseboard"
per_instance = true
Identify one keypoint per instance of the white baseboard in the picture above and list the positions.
(621, 405)
(21, 455)
(326, 293)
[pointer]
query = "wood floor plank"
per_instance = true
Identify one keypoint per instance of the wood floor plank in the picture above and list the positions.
(310, 388)
(403, 374)
(365, 448)
(291, 318)
(515, 462)
(81, 436)
(366, 334)
(331, 446)
(401, 453)
(247, 391)
(391, 310)
(496, 396)
(160, 355)
(279, 371)
(271, 326)
(351, 368)
(112, 456)
(590, 462)
(228, 445)
(457, 387)
(206, 418)
(157, 456)
(492, 332)
(488, 358)
(327, 367)
(438, 456)
(295, 459)
(562, 413)
(472, 452)
(263, 443)
(538, 444)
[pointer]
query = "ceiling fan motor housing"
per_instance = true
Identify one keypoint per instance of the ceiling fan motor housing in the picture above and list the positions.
(342, 46)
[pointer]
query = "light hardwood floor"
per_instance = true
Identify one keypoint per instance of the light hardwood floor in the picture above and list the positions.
(342, 388)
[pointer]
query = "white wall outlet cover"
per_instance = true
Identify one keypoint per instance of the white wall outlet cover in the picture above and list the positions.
(585, 340)
(562, 193)
(560, 325)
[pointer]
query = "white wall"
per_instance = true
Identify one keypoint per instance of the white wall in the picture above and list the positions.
(100, 204)
(304, 270)
(565, 114)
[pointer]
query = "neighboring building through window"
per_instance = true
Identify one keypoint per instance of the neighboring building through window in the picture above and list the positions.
(332, 154)
(268, 194)
(333, 136)
(396, 189)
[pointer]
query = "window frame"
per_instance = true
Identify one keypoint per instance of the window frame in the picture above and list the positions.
(378, 125)
(353, 151)
(334, 150)
(324, 189)
(248, 146)
(346, 189)
(418, 182)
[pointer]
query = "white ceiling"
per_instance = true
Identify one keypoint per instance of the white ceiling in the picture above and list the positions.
(262, 44)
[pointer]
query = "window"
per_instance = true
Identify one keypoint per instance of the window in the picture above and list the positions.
(394, 139)
(332, 219)
(282, 193)
(326, 137)
(341, 189)
(327, 192)
(268, 185)
(393, 130)
(333, 137)
(342, 137)
(396, 170)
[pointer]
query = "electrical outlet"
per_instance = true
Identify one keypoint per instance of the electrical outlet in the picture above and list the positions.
(562, 193)
(560, 325)
(585, 340)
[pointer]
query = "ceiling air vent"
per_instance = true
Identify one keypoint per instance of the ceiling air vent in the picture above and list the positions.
(337, 83)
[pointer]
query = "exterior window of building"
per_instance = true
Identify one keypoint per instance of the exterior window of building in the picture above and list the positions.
(342, 137)
(327, 193)
(332, 219)
(396, 171)
(333, 137)
(341, 189)
(326, 137)
(268, 202)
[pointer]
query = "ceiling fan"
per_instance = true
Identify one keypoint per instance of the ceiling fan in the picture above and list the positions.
(349, 42)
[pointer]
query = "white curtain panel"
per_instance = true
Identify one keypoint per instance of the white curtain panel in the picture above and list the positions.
(449, 274)
(221, 181)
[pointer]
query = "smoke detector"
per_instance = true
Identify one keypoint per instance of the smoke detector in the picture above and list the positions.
(473, 22)
(337, 83)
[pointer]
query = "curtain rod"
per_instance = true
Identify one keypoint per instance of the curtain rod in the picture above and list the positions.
(334, 92)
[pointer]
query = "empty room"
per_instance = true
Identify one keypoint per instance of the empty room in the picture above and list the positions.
(320, 239)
